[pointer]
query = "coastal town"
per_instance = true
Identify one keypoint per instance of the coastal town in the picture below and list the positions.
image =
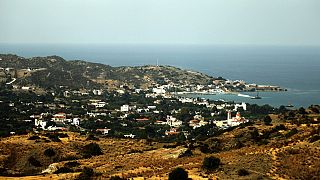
(159, 110)
(78, 120)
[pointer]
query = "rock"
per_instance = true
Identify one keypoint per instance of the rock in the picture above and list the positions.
(52, 168)
(178, 153)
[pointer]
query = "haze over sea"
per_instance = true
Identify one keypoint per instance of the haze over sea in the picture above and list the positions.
(294, 68)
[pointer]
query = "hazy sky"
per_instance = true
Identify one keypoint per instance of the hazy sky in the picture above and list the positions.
(261, 22)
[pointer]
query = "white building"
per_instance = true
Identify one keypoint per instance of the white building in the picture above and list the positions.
(231, 121)
(76, 121)
(97, 92)
(124, 108)
(243, 105)
(40, 123)
(159, 90)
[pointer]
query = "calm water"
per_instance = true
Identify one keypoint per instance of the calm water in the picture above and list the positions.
(295, 68)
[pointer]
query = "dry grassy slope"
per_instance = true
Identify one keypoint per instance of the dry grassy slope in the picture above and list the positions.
(288, 158)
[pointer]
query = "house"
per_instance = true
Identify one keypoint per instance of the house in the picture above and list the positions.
(104, 131)
(236, 121)
(173, 122)
(59, 117)
(173, 131)
(97, 92)
(160, 90)
(40, 123)
(124, 108)
(25, 88)
(76, 121)
(142, 119)
(129, 136)
(231, 121)
(243, 105)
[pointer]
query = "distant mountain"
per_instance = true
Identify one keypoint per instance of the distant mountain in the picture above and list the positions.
(53, 71)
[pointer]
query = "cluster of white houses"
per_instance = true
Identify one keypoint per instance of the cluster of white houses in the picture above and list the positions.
(60, 119)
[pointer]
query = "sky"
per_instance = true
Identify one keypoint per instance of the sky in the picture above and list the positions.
(228, 22)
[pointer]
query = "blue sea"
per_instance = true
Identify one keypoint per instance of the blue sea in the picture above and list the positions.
(295, 68)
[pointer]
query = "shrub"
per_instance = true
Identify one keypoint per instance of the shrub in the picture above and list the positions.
(211, 163)
(92, 137)
(243, 172)
(280, 127)
(291, 132)
(72, 164)
(62, 135)
(92, 149)
(33, 138)
(54, 138)
(314, 138)
(116, 178)
(63, 170)
(267, 120)
(49, 152)
(178, 174)
(34, 162)
(85, 174)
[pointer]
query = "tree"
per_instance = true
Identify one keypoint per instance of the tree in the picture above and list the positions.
(302, 111)
(178, 174)
(267, 120)
(210, 163)
(92, 149)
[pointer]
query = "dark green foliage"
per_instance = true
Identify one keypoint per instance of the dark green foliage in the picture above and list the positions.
(302, 111)
(91, 149)
(63, 170)
(92, 137)
(85, 174)
(116, 178)
(33, 138)
(291, 132)
(49, 152)
(72, 164)
(280, 127)
(34, 162)
(314, 138)
(267, 120)
(178, 174)
(210, 163)
(243, 172)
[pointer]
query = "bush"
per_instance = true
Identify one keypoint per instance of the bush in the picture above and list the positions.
(280, 127)
(92, 149)
(92, 137)
(267, 120)
(291, 132)
(116, 178)
(85, 174)
(34, 162)
(314, 138)
(211, 163)
(33, 138)
(63, 170)
(49, 152)
(178, 174)
(243, 172)
(72, 164)
(54, 138)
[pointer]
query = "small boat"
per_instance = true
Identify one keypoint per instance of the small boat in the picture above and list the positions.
(256, 97)
(289, 106)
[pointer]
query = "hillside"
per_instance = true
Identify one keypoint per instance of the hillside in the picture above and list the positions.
(263, 151)
(47, 72)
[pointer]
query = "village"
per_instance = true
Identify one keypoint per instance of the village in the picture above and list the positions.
(125, 113)
(160, 110)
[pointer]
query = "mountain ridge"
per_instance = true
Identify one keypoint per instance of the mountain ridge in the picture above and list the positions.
(55, 70)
